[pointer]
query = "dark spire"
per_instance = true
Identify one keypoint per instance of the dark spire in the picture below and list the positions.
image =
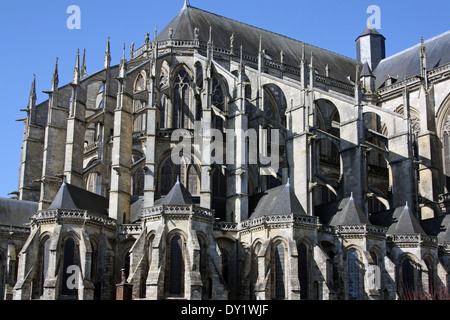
(32, 98)
(76, 71)
(55, 79)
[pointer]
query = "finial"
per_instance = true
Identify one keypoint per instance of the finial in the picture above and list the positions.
(185, 4)
(55, 76)
(260, 44)
(107, 59)
(76, 71)
(210, 35)
(83, 64)
(33, 87)
(123, 52)
(303, 53)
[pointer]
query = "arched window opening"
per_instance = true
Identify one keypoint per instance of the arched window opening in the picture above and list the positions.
(181, 110)
(279, 270)
(192, 180)
(353, 275)
(140, 83)
(188, 175)
(407, 278)
(219, 193)
(225, 267)
(45, 254)
(254, 270)
(138, 180)
(431, 284)
(303, 272)
(70, 259)
(176, 266)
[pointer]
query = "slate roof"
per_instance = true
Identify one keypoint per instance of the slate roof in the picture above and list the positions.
(370, 31)
(349, 214)
(277, 201)
(407, 63)
(366, 71)
(404, 222)
(438, 227)
(74, 198)
(178, 195)
(16, 212)
(400, 220)
(248, 36)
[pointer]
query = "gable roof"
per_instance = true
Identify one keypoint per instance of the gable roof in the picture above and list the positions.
(349, 214)
(74, 198)
(407, 63)
(178, 195)
(248, 36)
(277, 201)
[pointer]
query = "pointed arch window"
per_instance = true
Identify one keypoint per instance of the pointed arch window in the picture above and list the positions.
(303, 272)
(181, 110)
(69, 259)
(45, 254)
(353, 275)
(407, 277)
(176, 266)
(279, 270)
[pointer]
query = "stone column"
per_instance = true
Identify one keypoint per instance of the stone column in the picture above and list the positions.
(76, 126)
(119, 201)
(150, 149)
(430, 168)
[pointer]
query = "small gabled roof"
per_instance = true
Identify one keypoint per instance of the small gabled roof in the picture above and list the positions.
(404, 222)
(178, 195)
(74, 198)
(350, 214)
(277, 201)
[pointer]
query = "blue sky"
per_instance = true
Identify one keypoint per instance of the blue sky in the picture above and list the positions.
(34, 33)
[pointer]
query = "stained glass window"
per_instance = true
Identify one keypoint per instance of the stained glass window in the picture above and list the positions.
(181, 112)
(353, 275)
